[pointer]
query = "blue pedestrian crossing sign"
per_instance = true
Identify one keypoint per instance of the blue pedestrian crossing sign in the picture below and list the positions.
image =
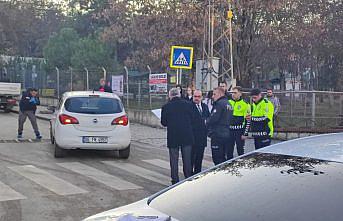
(181, 57)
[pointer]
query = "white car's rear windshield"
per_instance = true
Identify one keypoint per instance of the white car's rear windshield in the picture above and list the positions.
(93, 105)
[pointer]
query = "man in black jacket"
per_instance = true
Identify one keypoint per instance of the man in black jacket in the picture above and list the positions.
(200, 131)
(27, 109)
(218, 124)
(177, 115)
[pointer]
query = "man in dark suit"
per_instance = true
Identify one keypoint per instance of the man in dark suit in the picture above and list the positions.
(200, 131)
(177, 115)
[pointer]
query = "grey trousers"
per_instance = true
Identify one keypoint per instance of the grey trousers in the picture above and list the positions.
(22, 118)
(186, 152)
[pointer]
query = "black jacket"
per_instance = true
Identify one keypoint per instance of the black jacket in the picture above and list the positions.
(220, 118)
(199, 127)
(105, 88)
(188, 99)
(178, 116)
(28, 103)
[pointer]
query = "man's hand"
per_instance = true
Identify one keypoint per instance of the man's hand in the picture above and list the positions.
(244, 137)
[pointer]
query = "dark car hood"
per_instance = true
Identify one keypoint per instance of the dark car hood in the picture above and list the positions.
(259, 186)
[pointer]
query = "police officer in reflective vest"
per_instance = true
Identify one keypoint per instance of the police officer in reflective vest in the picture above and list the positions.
(262, 112)
(241, 109)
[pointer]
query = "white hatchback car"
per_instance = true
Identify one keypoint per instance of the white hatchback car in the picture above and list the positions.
(90, 120)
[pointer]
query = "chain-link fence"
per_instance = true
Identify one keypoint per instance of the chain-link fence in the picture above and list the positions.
(299, 109)
(310, 109)
(302, 111)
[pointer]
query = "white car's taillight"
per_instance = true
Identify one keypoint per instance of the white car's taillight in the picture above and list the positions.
(123, 120)
(66, 119)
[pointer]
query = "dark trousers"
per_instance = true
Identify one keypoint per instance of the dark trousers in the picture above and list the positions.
(197, 157)
(235, 139)
(261, 142)
(218, 150)
(186, 152)
(22, 118)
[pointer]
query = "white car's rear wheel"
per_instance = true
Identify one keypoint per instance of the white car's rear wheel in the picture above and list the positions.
(59, 152)
(125, 153)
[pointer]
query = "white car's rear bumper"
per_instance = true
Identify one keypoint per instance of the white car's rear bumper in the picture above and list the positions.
(67, 137)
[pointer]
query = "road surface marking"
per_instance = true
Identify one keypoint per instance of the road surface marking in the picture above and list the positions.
(165, 164)
(99, 176)
(47, 180)
(7, 193)
(160, 163)
(139, 171)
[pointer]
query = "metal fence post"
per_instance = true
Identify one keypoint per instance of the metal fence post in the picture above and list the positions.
(87, 79)
(58, 82)
(139, 94)
(105, 73)
(313, 109)
(150, 99)
(127, 86)
(71, 78)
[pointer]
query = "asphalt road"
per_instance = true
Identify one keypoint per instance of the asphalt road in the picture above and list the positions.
(36, 186)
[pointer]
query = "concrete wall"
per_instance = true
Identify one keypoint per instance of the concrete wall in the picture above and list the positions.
(145, 117)
(291, 135)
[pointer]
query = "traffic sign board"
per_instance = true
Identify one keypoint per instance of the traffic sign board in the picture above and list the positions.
(181, 57)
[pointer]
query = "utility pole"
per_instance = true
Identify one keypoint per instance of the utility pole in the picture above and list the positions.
(230, 16)
(217, 43)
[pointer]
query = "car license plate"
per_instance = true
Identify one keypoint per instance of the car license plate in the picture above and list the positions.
(95, 139)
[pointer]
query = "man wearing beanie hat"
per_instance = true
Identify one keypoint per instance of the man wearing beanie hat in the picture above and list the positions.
(261, 126)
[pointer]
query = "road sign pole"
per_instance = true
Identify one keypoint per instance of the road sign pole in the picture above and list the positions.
(177, 76)
(180, 76)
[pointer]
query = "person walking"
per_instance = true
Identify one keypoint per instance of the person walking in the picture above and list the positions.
(104, 87)
(178, 116)
(218, 123)
(27, 109)
(200, 131)
(261, 126)
(241, 109)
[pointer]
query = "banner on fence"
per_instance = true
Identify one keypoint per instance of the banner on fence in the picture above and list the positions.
(118, 85)
(158, 83)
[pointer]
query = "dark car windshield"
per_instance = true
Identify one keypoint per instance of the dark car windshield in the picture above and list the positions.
(93, 105)
(259, 187)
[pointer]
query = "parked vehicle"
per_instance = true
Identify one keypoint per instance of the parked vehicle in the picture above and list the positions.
(8, 94)
(298, 180)
(90, 120)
